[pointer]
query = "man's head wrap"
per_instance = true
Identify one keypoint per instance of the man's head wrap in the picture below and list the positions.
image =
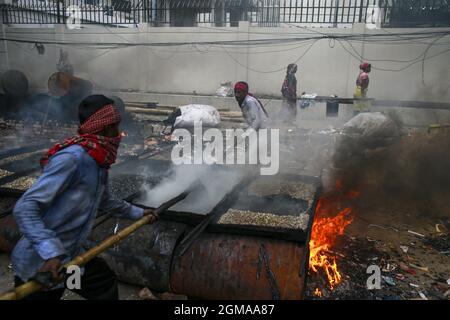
(241, 86)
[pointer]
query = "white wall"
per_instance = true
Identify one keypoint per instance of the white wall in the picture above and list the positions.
(325, 69)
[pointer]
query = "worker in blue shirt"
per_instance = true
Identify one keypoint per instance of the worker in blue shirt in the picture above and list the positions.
(57, 213)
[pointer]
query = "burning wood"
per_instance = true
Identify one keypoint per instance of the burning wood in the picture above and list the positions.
(326, 228)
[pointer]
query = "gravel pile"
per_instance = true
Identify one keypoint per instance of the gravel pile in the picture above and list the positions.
(240, 217)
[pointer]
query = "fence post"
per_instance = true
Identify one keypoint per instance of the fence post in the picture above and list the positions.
(336, 14)
(58, 12)
(360, 10)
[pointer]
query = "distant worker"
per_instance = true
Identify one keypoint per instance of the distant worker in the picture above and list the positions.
(289, 91)
(252, 109)
(63, 64)
(362, 86)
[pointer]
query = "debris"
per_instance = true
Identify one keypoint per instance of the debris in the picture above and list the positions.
(399, 276)
(414, 285)
(404, 248)
(370, 239)
(441, 286)
(419, 267)
(448, 281)
(416, 233)
(388, 280)
(389, 268)
(422, 296)
(172, 296)
(447, 293)
(439, 226)
(146, 294)
(381, 227)
(150, 142)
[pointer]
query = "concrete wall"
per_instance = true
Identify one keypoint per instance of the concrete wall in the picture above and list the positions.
(324, 66)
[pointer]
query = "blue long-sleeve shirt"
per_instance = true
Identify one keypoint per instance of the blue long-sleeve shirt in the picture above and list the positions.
(57, 213)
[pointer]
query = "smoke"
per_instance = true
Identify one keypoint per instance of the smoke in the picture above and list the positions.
(411, 170)
(215, 181)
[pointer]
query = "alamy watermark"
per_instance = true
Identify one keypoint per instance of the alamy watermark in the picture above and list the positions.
(374, 280)
(73, 281)
(240, 147)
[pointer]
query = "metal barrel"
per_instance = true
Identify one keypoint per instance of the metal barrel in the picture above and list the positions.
(62, 85)
(226, 266)
(14, 83)
(145, 257)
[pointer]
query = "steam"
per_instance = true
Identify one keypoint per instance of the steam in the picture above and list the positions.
(215, 184)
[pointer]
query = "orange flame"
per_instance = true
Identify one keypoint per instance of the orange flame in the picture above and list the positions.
(317, 292)
(325, 230)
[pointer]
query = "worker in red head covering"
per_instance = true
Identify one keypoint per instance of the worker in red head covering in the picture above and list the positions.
(362, 86)
(252, 109)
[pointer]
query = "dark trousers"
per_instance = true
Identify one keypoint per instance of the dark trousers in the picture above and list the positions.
(289, 110)
(97, 283)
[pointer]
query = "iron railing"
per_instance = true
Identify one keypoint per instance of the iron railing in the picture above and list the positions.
(265, 13)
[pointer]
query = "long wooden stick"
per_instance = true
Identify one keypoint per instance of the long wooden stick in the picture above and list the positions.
(34, 286)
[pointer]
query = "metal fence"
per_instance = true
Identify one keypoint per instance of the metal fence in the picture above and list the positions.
(270, 13)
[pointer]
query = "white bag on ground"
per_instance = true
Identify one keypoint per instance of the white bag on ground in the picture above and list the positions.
(374, 124)
(192, 113)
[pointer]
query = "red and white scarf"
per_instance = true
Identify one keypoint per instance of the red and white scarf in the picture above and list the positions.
(102, 149)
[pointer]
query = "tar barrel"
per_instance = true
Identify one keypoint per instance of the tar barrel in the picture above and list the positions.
(14, 83)
(226, 266)
(144, 258)
(65, 85)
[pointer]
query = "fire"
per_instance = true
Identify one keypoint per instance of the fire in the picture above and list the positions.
(326, 228)
(317, 292)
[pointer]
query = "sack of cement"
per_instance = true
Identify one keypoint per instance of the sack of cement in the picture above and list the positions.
(373, 124)
(194, 113)
(225, 90)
